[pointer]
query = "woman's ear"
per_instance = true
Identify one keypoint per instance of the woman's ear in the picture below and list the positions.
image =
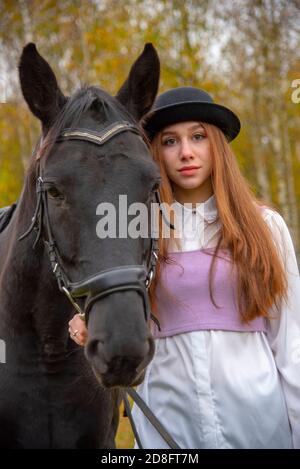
(138, 92)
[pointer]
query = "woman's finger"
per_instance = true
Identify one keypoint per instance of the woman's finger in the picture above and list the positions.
(78, 330)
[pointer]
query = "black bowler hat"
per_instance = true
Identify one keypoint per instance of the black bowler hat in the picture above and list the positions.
(185, 104)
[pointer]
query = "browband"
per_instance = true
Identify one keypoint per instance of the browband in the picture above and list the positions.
(94, 136)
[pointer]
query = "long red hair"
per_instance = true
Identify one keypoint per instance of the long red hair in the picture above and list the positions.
(261, 278)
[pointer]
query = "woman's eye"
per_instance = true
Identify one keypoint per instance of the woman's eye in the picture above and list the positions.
(169, 141)
(54, 193)
(198, 136)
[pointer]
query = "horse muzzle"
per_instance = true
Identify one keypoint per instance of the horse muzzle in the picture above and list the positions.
(116, 369)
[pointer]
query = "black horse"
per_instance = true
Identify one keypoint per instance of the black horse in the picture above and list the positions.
(49, 394)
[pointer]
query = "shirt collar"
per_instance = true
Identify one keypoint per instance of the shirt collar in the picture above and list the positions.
(207, 210)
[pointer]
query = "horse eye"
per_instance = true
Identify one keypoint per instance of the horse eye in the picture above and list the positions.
(54, 193)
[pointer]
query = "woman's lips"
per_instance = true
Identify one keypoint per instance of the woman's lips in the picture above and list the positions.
(189, 171)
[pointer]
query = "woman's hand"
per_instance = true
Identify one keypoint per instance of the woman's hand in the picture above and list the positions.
(77, 329)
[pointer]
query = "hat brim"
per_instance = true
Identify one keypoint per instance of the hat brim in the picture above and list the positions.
(212, 113)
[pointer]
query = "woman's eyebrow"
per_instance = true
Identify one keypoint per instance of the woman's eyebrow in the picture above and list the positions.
(197, 126)
(174, 132)
(168, 132)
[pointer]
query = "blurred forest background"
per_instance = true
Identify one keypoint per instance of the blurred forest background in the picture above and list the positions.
(246, 53)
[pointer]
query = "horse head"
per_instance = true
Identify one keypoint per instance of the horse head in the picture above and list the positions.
(92, 151)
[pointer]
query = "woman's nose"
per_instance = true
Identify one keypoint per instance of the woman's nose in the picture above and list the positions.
(186, 150)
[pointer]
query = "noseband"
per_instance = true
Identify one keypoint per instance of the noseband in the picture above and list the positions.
(117, 279)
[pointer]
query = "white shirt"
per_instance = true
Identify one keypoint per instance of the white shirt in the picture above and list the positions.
(222, 389)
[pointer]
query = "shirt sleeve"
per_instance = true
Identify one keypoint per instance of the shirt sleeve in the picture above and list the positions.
(283, 328)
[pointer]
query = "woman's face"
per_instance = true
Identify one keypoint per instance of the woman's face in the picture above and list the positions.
(185, 150)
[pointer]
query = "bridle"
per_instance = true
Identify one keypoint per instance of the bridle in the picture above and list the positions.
(116, 279)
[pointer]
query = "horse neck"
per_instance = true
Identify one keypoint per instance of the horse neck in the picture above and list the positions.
(17, 256)
(29, 293)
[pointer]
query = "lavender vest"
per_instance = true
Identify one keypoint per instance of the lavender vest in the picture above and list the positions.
(183, 299)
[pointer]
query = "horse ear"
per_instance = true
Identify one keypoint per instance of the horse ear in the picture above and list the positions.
(39, 86)
(139, 90)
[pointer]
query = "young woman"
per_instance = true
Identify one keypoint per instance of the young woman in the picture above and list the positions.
(226, 369)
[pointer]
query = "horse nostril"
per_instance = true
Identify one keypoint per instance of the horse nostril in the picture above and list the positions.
(148, 356)
(91, 349)
(94, 353)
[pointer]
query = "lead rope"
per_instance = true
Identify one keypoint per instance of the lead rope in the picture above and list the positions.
(127, 413)
(150, 416)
